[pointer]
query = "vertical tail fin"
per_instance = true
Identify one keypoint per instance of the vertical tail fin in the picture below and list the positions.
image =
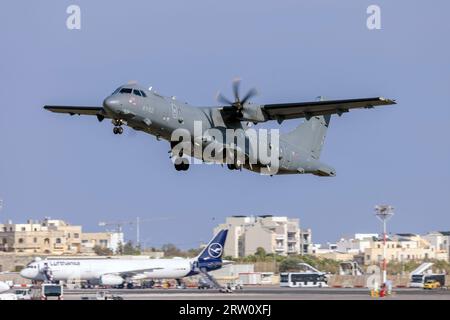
(310, 135)
(211, 256)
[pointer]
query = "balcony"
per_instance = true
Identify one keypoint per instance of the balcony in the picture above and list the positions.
(279, 249)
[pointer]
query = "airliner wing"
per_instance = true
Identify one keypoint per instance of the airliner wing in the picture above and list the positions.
(135, 272)
(284, 111)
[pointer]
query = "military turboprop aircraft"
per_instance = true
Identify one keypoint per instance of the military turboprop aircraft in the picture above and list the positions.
(296, 152)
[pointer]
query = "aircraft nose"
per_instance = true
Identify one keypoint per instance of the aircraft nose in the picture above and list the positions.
(26, 273)
(112, 103)
(3, 287)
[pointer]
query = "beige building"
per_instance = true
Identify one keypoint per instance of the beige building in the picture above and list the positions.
(279, 235)
(55, 237)
(441, 241)
(110, 240)
(399, 248)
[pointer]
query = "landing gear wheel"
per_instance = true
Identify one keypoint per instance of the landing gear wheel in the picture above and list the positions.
(117, 130)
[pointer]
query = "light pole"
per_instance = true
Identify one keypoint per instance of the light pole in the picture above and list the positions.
(384, 213)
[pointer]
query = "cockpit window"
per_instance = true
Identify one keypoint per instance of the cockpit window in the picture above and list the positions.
(137, 93)
(143, 94)
(126, 90)
(116, 91)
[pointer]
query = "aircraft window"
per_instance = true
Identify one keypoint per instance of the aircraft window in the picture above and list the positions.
(143, 94)
(116, 91)
(126, 90)
(137, 93)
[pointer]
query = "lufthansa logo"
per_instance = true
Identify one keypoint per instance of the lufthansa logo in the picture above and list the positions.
(215, 250)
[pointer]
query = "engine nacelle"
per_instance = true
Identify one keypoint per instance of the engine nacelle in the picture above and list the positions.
(253, 113)
(111, 280)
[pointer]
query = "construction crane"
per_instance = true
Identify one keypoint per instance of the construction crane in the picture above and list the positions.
(119, 224)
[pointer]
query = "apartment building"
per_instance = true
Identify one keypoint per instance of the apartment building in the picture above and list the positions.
(275, 234)
(51, 237)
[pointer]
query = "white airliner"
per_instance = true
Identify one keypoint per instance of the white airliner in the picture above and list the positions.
(116, 271)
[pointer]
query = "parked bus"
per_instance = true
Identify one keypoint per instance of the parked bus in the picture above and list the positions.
(303, 279)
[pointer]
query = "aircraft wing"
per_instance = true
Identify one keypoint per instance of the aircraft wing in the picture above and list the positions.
(131, 273)
(284, 111)
(91, 111)
(73, 110)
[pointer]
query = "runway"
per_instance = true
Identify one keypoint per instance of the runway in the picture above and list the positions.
(262, 293)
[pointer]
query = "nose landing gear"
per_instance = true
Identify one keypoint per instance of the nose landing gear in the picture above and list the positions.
(118, 130)
(117, 126)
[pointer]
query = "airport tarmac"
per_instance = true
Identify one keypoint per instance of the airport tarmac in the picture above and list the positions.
(263, 293)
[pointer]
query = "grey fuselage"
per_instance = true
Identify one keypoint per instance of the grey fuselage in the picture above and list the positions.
(161, 116)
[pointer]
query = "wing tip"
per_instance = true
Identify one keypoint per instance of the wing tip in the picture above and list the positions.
(387, 101)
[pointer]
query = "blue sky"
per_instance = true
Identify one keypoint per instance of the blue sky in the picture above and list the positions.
(75, 168)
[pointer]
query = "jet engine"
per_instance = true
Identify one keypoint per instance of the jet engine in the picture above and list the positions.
(111, 280)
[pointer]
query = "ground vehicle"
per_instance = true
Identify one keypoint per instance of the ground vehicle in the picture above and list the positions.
(47, 290)
(205, 284)
(23, 294)
(106, 295)
(432, 284)
(419, 280)
(303, 279)
(235, 285)
(8, 296)
(102, 295)
(148, 284)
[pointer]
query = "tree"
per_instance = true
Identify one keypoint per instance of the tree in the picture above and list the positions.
(102, 251)
(170, 250)
(194, 252)
(260, 253)
(130, 250)
(119, 249)
(289, 264)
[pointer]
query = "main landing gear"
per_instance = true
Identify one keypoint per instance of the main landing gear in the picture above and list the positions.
(117, 126)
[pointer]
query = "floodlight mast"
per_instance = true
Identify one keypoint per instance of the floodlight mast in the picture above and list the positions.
(384, 213)
(119, 225)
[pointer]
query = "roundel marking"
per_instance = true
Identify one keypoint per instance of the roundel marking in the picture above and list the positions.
(215, 250)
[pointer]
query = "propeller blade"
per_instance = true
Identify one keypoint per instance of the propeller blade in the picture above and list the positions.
(236, 85)
(222, 99)
(249, 95)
